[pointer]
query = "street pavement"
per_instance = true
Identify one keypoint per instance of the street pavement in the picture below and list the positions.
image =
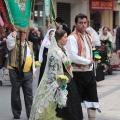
(108, 93)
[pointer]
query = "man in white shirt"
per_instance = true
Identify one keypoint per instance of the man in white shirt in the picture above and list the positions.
(79, 46)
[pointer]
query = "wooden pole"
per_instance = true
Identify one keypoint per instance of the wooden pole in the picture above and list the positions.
(20, 56)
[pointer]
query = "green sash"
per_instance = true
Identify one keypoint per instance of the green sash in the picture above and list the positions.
(19, 12)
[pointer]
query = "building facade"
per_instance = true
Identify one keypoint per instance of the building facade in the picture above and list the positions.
(99, 12)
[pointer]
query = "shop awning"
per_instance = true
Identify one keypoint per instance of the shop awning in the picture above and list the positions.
(101, 4)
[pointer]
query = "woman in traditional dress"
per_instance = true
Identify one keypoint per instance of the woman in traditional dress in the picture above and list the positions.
(106, 39)
(53, 102)
(106, 49)
(43, 52)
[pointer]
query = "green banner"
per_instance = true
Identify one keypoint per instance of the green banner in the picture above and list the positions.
(19, 12)
(49, 11)
(52, 10)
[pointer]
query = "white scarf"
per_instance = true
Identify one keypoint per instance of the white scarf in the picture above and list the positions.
(45, 43)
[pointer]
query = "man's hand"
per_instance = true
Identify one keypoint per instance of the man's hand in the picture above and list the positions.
(4, 38)
(91, 61)
(118, 52)
(34, 76)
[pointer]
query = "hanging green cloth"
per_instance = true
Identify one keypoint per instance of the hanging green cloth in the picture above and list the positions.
(19, 12)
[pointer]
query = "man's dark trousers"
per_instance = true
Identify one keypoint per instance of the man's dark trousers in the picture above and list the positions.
(26, 84)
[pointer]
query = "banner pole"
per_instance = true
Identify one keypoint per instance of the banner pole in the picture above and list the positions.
(20, 56)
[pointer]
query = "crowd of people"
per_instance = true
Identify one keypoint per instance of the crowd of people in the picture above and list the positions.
(71, 63)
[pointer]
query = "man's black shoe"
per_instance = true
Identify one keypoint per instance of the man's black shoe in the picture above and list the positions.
(0, 83)
(16, 117)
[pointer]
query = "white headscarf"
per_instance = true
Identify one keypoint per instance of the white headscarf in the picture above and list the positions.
(45, 43)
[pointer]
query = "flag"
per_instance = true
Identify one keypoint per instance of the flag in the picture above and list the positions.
(18, 13)
(52, 11)
(49, 11)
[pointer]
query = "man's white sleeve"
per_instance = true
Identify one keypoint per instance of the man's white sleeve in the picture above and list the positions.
(11, 41)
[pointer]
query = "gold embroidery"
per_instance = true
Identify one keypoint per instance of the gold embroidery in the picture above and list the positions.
(21, 5)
